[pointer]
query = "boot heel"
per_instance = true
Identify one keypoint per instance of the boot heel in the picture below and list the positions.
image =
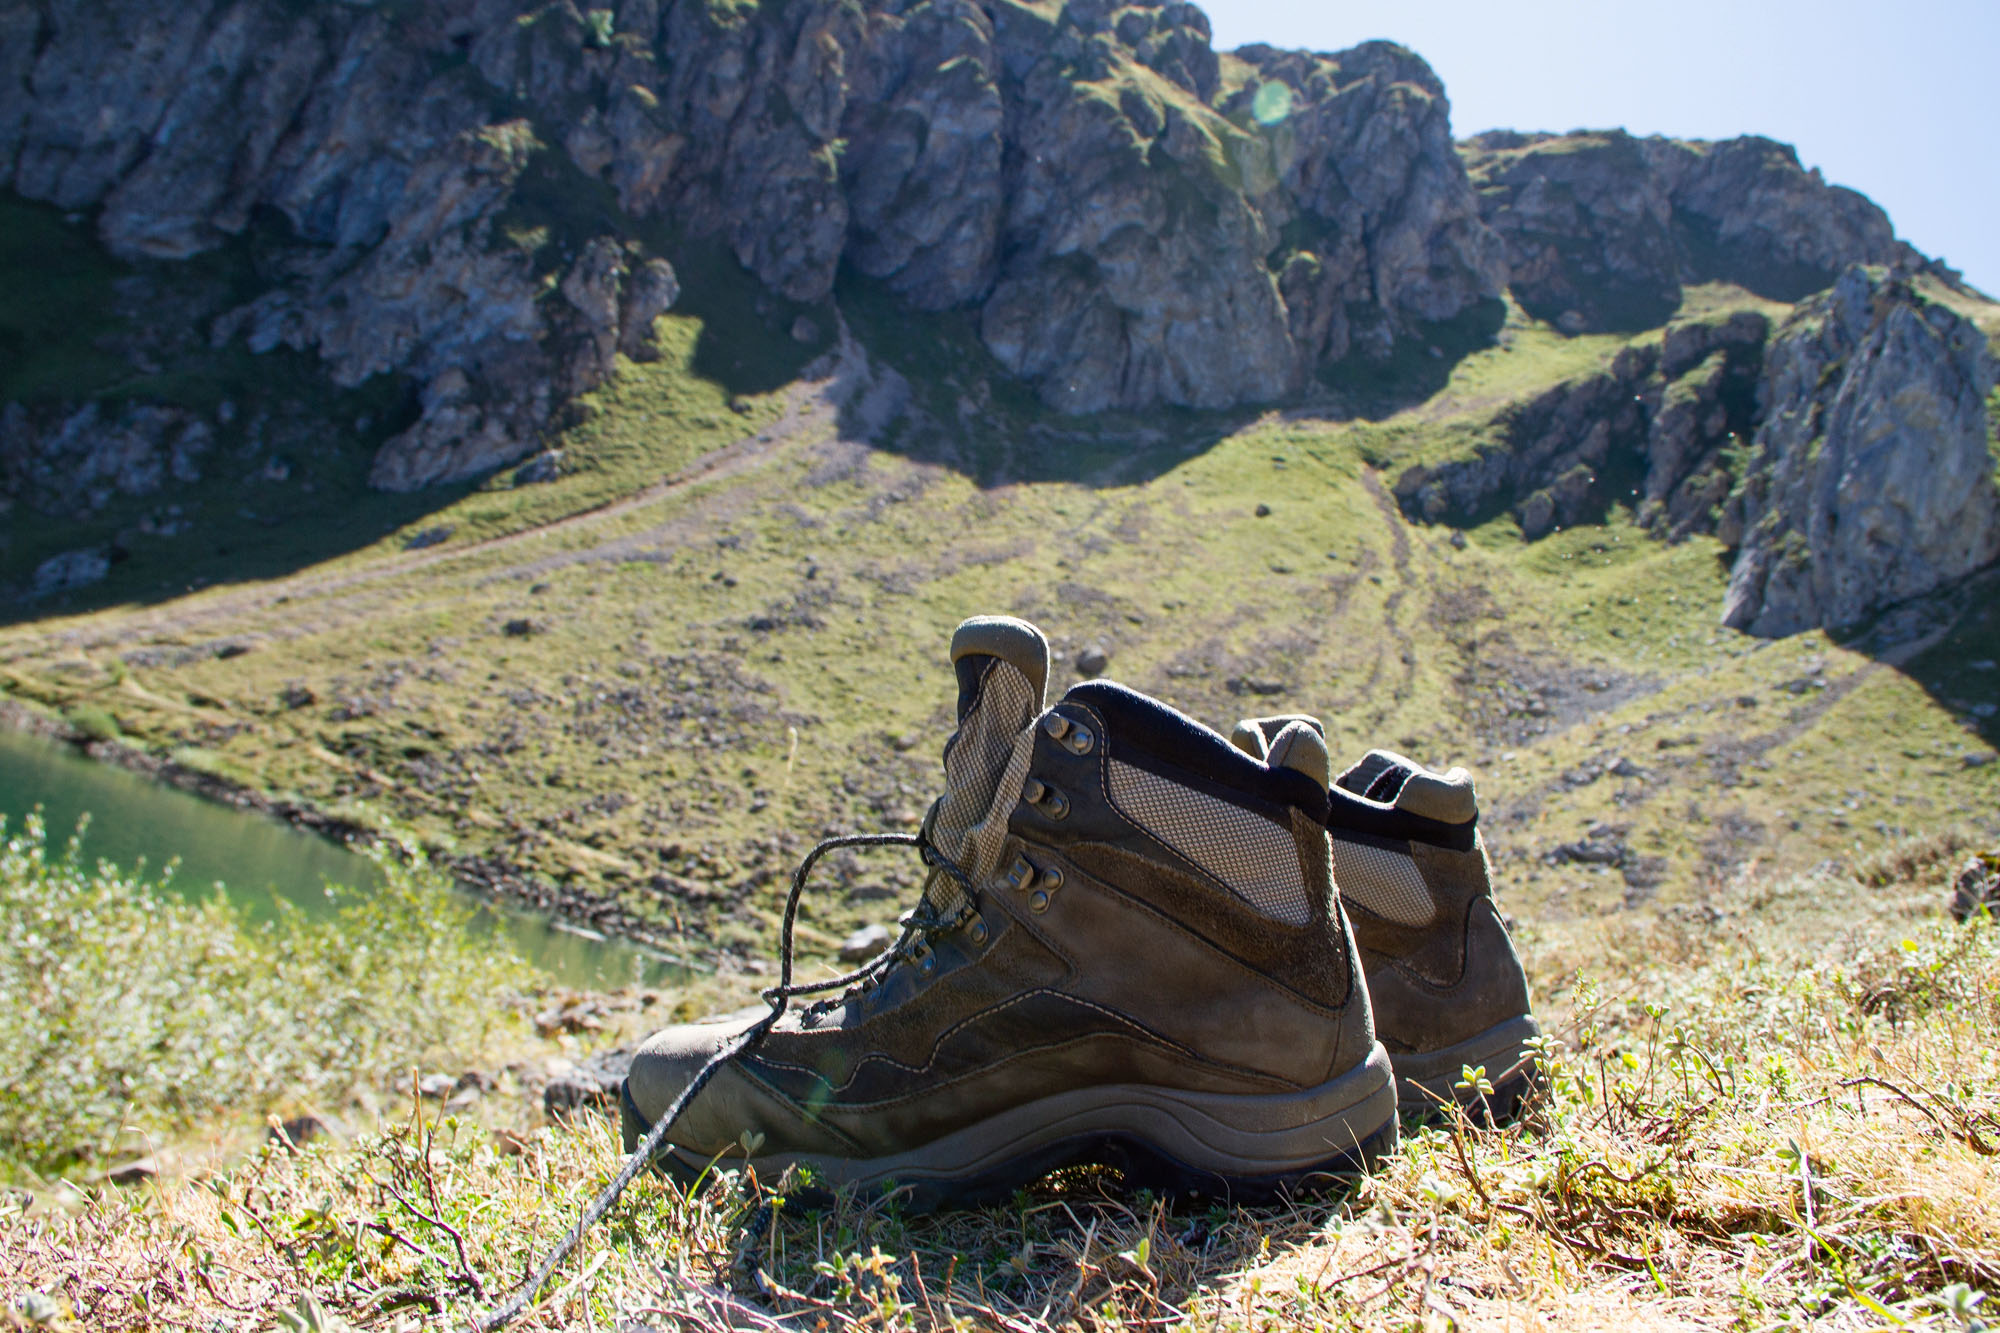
(1427, 1083)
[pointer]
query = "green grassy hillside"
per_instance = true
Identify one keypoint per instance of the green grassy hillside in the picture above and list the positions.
(653, 682)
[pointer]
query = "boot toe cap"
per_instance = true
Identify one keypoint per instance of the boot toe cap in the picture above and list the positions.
(672, 1058)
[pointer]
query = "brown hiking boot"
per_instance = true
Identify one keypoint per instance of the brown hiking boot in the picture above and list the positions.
(1447, 986)
(1142, 968)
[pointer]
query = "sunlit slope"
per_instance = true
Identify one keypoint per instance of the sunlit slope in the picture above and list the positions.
(656, 703)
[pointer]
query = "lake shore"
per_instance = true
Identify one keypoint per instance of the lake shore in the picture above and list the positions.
(532, 914)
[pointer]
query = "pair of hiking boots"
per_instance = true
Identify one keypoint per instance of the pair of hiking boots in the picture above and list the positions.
(1134, 949)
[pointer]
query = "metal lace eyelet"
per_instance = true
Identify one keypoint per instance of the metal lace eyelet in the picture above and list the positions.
(1045, 798)
(1055, 724)
(1038, 901)
(979, 932)
(1052, 879)
(1080, 740)
(1020, 874)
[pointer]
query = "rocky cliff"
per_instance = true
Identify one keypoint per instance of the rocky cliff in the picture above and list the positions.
(1603, 229)
(454, 217)
(1661, 416)
(479, 194)
(1845, 457)
(1870, 479)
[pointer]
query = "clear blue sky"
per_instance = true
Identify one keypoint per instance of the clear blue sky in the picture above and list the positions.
(1900, 101)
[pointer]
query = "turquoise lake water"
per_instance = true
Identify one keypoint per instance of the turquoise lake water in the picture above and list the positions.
(259, 859)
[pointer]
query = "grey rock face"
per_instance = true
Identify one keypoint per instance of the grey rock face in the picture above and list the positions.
(1587, 223)
(1368, 169)
(1137, 273)
(1871, 479)
(1602, 229)
(379, 151)
(74, 463)
(1748, 212)
(1069, 175)
(1143, 232)
(459, 191)
(922, 170)
(1667, 412)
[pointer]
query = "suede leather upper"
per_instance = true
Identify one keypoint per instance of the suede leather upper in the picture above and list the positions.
(1138, 966)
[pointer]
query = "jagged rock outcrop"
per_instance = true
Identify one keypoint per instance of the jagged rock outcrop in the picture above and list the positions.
(1871, 478)
(472, 194)
(1846, 456)
(1603, 229)
(377, 142)
(1657, 420)
(1135, 268)
(1385, 230)
(465, 212)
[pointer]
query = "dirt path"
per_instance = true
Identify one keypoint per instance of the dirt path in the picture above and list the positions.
(1399, 554)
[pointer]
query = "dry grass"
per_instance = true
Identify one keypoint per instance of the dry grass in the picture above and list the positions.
(1777, 1107)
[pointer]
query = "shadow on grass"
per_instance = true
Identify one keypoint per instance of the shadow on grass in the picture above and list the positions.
(751, 337)
(283, 473)
(1079, 1245)
(1417, 368)
(1960, 669)
(968, 413)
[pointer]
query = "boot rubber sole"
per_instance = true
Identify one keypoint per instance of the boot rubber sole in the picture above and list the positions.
(1245, 1148)
(1426, 1083)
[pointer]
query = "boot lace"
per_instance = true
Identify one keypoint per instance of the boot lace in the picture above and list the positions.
(918, 925)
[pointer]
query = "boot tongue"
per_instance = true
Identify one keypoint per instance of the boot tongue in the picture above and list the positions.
(1003, 671)
(1393, 779)
(1255, 735)
(1300, 747)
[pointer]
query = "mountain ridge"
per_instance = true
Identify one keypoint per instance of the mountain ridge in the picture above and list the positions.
(447, 223)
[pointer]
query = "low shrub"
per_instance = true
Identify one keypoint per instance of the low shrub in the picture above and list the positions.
(95, 723)
(128, 1006)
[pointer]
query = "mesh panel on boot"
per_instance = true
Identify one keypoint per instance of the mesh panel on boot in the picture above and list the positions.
(977, 763)
(982, 844)
(1385, 882)
(1252, 856)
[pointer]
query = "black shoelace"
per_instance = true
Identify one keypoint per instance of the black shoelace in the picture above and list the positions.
(920, 923)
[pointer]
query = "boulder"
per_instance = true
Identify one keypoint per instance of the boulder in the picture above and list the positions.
(590, 1082)
(71, 570)
(866, 942)
(1977, 886)
(1588, 226)
(73, 463)
(544, 467)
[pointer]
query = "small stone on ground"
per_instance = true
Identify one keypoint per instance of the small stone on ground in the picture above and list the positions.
(865, 943)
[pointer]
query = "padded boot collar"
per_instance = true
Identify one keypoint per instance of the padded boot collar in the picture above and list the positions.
(1175, 739)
